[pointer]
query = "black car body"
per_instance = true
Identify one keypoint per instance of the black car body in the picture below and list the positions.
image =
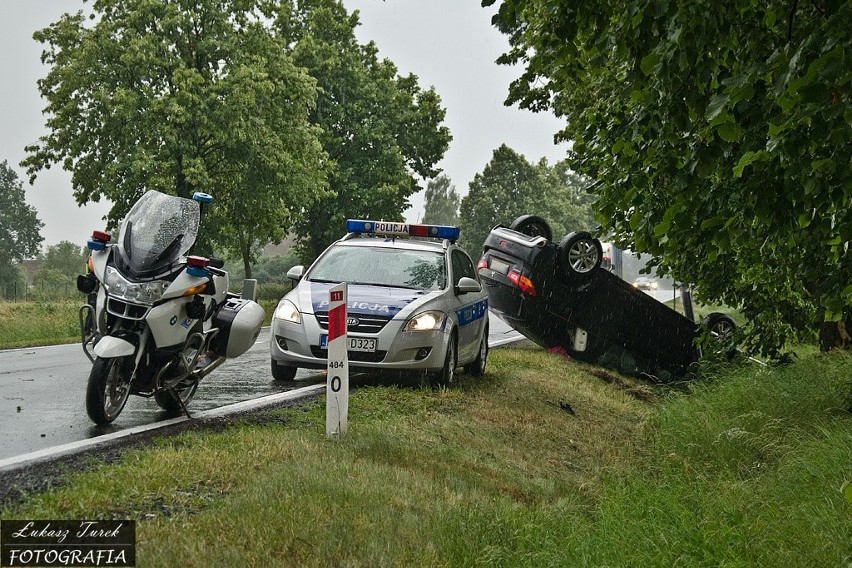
(558, 295)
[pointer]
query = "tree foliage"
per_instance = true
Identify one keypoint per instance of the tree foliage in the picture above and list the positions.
(380, 130)
(67, 258)
(719, 135)
(182, 96)
(442, 202)
(20, 235)
(511, 186)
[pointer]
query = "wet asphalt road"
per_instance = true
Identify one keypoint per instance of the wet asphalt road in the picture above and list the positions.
(42, 393)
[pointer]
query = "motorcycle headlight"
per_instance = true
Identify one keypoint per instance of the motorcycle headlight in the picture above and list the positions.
(141, 292)
(287, 311)
(425, 321)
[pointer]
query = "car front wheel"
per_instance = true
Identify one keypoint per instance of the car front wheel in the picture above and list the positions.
(283, 372)
(446, 375)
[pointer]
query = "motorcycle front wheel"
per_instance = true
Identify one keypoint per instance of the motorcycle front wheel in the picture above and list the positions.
(108, 388)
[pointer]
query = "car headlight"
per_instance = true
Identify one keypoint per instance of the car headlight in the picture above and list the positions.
(287, 311)
(425, 322)
(141, 292)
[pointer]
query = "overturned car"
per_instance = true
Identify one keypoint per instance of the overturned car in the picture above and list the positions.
(558, 295)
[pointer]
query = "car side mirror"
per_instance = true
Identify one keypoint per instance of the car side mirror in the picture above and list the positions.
(466, 285)
(296, 273)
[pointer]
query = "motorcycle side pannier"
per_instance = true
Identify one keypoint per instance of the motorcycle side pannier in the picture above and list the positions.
(239, 322)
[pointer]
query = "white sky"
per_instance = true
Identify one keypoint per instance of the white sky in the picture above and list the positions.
(448, 44)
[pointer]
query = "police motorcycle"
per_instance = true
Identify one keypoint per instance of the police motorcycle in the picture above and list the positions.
(157, 322)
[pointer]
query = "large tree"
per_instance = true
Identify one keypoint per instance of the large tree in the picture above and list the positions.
(510, 186)
(442, 202)
(20, 228)
(719, 135)
(381, 131)
(182, 96)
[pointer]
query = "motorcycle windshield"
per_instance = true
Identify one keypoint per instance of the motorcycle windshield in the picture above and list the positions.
(157, 231)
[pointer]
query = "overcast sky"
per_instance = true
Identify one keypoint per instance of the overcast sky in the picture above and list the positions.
(448, 44)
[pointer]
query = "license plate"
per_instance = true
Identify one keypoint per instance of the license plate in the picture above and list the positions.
(364, 344)
(499, 266)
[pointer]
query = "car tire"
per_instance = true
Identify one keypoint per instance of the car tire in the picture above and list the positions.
(477, 366)
(722, 325)
(580, 253)
(532, 226)
(446, 375)
(283, 372)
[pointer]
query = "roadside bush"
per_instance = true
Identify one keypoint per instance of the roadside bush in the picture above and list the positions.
(272, 291)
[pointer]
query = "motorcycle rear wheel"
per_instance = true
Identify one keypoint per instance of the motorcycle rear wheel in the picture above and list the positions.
(108, 388)
(185, 390)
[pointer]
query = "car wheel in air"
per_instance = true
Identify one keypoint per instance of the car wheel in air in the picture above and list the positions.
(721, 325)
(532, 226)
(722, 328)
(580, 253)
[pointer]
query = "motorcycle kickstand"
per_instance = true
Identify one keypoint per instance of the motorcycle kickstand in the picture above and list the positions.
(174, 393)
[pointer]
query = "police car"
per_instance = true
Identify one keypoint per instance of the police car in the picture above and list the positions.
(415, 304)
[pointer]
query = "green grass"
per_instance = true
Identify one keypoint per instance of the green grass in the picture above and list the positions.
(27, 324)
(742, 467)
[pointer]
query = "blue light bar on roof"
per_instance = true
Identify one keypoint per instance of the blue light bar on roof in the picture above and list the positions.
(402, 229)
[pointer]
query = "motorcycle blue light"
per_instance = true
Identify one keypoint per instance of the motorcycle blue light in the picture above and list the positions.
(197, 266)
(92, 244)
(98, 241)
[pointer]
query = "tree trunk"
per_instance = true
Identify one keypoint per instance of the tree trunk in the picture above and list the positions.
(244, 250)
(835, 335)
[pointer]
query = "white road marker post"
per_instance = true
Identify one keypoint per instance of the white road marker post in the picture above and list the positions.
(337, 380)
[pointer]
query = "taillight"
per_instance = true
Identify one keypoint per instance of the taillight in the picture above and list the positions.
(481, 264)
(522, 282)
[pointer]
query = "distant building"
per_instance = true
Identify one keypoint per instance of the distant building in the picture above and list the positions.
(279, 249)
(30, 268)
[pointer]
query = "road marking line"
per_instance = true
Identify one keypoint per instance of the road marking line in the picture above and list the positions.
(31, 458)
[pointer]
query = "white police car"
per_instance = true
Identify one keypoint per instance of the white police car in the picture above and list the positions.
(414, 304)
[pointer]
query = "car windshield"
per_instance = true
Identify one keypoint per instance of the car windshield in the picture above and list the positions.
(158, 230)
(379, 266)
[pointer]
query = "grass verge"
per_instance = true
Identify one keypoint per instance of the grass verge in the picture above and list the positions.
(538, 463)
(28, 324)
